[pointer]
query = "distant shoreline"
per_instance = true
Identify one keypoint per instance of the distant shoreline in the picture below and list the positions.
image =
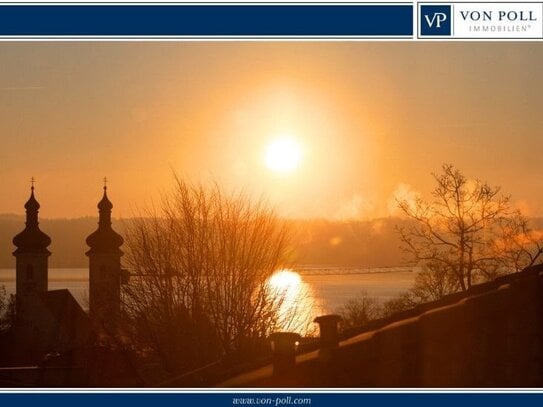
(7, 275)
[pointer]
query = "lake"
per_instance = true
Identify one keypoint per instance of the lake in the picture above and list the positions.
(328, 288)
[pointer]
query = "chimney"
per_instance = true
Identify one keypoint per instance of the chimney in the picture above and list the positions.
(284, 345)
(329, 337)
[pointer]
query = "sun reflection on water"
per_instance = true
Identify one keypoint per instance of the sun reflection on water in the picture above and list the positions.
(298, 306)
(285, 279)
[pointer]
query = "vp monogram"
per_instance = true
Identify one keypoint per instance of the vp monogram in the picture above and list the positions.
(436, 18)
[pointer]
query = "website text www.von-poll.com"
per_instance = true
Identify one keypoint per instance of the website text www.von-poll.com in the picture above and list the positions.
(272, 401)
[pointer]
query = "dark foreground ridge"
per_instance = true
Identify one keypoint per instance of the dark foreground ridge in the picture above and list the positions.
(489, 336)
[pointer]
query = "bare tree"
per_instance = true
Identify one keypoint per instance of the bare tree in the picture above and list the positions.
(3, 307)
(200, 267)
(465, 234)
(432, 283)
(361, 310)
(401, 302)
(520, 246)
(7, 309)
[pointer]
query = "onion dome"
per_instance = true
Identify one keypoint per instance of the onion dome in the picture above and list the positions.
(105, 240)
(105, 204)
(32, 205)
(32, 239)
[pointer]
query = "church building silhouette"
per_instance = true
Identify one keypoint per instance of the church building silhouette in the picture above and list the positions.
(52, 322)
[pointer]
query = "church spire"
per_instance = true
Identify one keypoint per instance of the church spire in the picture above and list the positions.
(32, 239)
(105, 270)
(31, 266)
(105, 239)
(104, 207)
(32, 207)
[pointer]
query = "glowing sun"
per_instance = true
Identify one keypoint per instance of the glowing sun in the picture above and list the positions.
(283, 155)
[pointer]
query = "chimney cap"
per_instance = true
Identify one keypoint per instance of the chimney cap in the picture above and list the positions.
(330, 318)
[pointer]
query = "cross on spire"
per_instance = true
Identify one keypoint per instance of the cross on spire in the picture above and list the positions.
(32, 181)
(105, 183)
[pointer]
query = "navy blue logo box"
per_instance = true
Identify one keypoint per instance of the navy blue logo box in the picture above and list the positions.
(435, 20)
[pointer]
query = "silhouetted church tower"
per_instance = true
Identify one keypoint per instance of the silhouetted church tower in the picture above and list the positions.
(105, 269)
(31, 262)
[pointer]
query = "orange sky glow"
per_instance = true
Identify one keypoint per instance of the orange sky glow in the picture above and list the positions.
(369, 120)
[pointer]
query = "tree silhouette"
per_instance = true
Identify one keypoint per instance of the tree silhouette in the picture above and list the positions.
(360, 310)
(200, 265)
(467, 233)
(7, 309)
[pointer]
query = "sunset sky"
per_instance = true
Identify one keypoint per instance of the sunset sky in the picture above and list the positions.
(367, 120)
